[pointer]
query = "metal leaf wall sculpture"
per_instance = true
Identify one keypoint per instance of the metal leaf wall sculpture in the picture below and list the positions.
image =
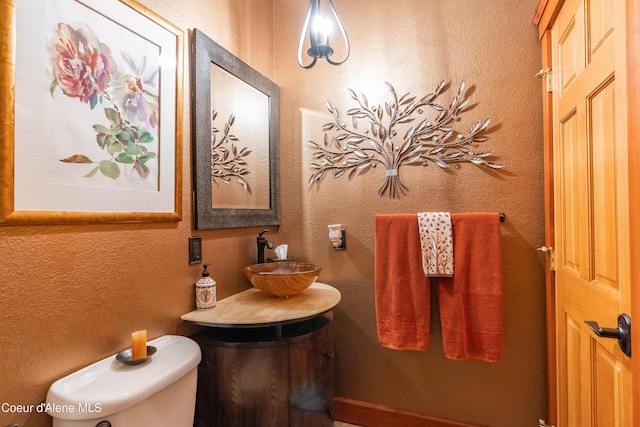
(374, 137)
(227, 162)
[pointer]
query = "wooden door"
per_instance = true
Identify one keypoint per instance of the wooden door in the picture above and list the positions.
(591, 212)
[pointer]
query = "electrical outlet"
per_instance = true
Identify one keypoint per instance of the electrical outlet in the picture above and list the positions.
(195, 250)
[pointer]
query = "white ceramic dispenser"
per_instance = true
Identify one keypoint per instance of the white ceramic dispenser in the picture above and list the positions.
(205, 291)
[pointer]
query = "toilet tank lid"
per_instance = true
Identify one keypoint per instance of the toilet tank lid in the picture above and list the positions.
(110, 386)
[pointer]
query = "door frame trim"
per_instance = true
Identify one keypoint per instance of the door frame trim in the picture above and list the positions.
(633, 129)
(545, 15)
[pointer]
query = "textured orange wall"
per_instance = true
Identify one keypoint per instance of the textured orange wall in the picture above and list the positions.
(70, 298)
(413, 44)
(72, 295)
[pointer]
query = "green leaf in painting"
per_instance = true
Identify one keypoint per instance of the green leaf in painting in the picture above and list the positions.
(145, 137)
(134, 150)
(124, 158)
(109, 169)
(93, 172)
(103, 139)
(103, 129)
(146, 157)
(54, 85)
(114, 148)
(125, 136)
(113, 117)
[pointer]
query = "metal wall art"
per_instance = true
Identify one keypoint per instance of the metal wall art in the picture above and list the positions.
(380, 135)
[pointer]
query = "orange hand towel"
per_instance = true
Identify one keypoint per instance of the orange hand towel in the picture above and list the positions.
(402, 292)
(471, 302)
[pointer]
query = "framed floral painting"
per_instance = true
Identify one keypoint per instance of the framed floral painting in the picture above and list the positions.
(91, 113)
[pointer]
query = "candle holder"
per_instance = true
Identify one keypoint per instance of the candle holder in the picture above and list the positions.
(338, 237)
(126, 356)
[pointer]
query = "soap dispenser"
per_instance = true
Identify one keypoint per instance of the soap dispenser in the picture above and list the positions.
(205, 291)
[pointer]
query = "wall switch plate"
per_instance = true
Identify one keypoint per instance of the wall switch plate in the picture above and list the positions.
(195, 250)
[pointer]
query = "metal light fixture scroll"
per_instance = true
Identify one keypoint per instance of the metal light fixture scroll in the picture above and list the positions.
(319, 25)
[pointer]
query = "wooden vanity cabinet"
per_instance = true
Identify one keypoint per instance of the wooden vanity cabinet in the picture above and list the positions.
(272, 376)
(311, 377)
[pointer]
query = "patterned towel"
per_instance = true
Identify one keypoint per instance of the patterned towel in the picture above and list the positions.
(436, 242)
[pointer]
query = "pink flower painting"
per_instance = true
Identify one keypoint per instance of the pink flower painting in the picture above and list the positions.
(136, 92)
(84, 68)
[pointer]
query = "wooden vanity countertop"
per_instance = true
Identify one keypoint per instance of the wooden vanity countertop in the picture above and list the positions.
(255, 308)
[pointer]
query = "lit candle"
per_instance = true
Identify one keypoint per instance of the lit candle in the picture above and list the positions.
(138, 344)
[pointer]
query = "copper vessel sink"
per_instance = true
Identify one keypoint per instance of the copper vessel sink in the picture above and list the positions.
(282, 279)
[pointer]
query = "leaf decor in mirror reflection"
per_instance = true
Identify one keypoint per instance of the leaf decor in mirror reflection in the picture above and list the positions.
(226, 161)
(405, 131)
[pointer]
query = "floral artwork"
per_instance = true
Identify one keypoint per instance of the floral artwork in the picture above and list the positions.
(95, 113)
(125, 87)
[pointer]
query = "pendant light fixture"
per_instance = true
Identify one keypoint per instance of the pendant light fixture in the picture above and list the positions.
(319, 24)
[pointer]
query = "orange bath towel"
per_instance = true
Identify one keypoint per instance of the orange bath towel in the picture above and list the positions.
(471, 302)
(402, 291)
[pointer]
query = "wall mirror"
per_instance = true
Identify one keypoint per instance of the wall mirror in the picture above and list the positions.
(235, 140)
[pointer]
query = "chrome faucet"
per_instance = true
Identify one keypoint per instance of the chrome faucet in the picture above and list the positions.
(262, 243)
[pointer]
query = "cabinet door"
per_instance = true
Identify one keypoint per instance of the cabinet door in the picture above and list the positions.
(311, 379)
(243, 386)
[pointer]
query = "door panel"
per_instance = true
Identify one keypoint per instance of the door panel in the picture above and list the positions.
(591, 208)
(573, 373)
(607, 385)
(571, 153)
(569, 50)
(603, 164)
(600, 17)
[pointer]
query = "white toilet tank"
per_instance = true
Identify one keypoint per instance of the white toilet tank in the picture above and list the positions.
(160, 392)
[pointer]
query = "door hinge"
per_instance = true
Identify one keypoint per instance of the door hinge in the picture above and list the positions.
(552, 256)
(543, 423)
(548, 75)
